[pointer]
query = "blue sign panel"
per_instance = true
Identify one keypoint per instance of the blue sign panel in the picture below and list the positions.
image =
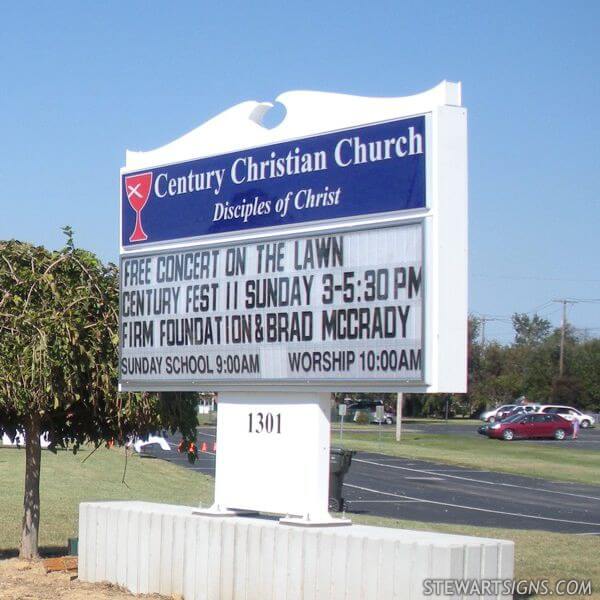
(367, 170)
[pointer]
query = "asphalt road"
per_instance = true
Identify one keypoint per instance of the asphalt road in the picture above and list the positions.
(423, 491)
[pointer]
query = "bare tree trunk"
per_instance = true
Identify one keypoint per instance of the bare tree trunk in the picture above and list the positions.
(31, 498)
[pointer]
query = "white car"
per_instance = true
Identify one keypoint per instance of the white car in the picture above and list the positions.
(139, 443)
(491, 415)
(388, 418)
(569, 413)
(19, 441)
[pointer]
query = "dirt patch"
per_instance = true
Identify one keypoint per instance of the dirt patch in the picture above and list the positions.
(23, 580)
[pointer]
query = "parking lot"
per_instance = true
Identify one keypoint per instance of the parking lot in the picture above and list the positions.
(424, 491)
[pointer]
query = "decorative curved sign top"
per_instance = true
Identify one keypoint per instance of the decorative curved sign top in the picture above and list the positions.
(307, 113)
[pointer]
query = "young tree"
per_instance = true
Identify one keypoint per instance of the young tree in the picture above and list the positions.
(58, 371)
(586, 368)
(530, 331)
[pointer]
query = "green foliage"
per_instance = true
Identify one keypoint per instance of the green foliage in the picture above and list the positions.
(530, 330)
(59, 341)
(435, 405)
(530, 367)
(498, 374)
(585, 368)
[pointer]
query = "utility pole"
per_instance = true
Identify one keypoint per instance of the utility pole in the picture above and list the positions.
(563, 329)
(561, 362)
(399, 399)
(483, 320)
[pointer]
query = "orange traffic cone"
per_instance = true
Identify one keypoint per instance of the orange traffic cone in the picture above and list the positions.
(204, 447)
(214, 446)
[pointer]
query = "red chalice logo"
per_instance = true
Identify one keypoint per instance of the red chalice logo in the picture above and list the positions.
(138, 192)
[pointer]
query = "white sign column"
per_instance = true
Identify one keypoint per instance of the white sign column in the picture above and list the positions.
(273, 455)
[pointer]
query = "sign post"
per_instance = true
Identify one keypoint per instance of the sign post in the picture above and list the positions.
(379, 413)
(276, 266)
(342, 408)
(399, 400)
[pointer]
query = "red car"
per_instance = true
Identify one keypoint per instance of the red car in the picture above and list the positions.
(531, 426)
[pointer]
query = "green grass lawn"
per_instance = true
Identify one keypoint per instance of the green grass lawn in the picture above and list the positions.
(547, 461)
(207, 420)
(66, 482)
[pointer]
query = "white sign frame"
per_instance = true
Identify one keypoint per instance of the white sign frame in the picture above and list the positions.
(444, 218)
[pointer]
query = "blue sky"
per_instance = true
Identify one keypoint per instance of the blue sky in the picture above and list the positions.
(83, 81)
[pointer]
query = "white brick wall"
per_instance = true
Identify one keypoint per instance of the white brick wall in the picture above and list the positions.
(150, 548)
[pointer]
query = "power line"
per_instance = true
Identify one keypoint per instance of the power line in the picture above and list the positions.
(540, 307)
(508, 318)
(503, 320)
(534, 278)
(546, 314)
(538, 310)
(564, 302)
(490, 317)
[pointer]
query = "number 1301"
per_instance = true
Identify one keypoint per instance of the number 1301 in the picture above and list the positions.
(264, 422)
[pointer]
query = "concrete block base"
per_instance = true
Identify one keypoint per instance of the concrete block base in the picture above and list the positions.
(159, 548)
